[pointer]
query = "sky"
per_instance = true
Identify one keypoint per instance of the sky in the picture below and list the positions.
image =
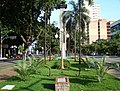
(110, 10)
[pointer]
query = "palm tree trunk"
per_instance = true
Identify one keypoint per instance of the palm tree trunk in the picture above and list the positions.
(75, 46)
(49, 51)
(45, 39)
(69, 45)
(79, 2)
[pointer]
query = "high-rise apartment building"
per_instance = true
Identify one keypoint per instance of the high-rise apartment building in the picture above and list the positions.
(115, 27)
(99, 29)
(94, 10)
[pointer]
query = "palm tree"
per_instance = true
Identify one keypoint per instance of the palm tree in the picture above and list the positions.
(78, 17)
(90, 2)
(73, 19)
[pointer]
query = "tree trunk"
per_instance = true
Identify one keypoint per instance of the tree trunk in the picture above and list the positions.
(1, 47)
(26, 46)
(25, 53)
(75, 46)
(69, 45)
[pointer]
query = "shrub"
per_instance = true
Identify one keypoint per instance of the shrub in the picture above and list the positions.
(115, 66)
(57, 64)
(23, 70)
(67, 64)
(35, 64)
(55, 56)
(49, 71)
(100, 66)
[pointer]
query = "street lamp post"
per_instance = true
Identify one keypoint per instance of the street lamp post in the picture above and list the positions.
(1, 43)
(62, 6)
(63, 35)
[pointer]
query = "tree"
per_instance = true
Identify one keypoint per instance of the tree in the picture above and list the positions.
(21, 16)
(72, 18)
(114, 44)
(80, 3)
(3, 35)
(78, 17)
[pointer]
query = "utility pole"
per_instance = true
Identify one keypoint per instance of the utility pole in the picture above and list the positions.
(1, 43)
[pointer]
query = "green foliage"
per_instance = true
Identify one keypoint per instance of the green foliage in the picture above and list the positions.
(104, 47)
(4, 30)
(58, 64)
(23, 70)
(118, 66)
(55, 56)
(71, 20)
(21, 48)
(100, 66)
(116, 36)
(86, 82)
(67, 64)
(115, 66)
(26, 68)
(24, 19)
(35, 64)
(84, 63)
(49, 71)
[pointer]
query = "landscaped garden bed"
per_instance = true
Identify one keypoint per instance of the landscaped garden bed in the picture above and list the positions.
(41, 81)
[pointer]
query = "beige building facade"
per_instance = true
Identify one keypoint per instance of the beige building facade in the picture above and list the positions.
(99, 29)
(94, 10)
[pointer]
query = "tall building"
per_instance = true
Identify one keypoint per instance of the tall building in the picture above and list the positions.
(99, 29)
(94, 10)
(115, 27)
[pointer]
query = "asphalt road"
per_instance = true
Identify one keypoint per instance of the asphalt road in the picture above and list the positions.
(110, 58)
(11, 62)
(5, 63)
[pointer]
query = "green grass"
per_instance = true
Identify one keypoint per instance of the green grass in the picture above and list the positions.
(86, 82)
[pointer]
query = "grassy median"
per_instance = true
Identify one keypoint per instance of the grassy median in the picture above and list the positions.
(87, 81)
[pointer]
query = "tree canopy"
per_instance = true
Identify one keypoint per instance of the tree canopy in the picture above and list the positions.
(21, 16)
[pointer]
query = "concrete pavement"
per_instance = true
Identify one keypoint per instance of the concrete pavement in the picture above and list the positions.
(114, 73)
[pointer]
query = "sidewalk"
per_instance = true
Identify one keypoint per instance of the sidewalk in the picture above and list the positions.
(114, 73)
(7, 73)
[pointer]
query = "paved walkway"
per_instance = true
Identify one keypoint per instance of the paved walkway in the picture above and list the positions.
(7, 73)
(7, 69)
(114, 73)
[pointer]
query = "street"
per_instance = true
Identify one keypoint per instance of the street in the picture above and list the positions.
(6, 63)
(110, 58)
